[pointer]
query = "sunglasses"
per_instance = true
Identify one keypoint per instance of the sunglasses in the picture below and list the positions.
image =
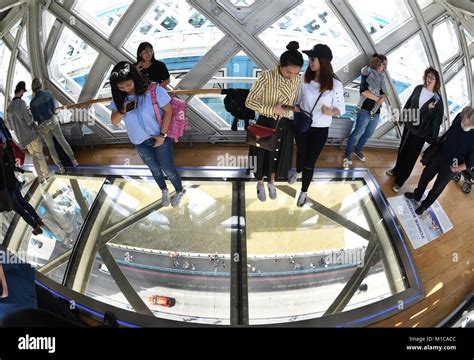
(121, 73)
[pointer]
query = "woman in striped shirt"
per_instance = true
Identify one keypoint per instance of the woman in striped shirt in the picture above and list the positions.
(273, 90)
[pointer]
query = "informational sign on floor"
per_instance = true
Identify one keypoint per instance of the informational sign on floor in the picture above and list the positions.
(420, 229)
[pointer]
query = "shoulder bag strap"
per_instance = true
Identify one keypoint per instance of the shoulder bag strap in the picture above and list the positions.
(154, 101)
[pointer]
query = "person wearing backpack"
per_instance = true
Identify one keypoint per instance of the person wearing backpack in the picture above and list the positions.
(133, 103)
(321, 97)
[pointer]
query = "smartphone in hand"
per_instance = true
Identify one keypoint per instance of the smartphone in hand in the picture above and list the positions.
(131, 106)
(289, 107)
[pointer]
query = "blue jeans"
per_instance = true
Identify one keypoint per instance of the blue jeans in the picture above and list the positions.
(363, 129)
(161, 159)
(23, 208)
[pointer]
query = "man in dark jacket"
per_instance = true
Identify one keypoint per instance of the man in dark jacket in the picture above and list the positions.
(456, 154)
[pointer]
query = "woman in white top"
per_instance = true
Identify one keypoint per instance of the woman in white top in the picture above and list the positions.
(319, 82)
(422, 116)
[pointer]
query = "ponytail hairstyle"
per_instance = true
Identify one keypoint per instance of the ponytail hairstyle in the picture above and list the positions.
(292, 57)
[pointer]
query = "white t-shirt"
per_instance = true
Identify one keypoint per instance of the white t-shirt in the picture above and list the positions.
(332, 99)
(425, 96)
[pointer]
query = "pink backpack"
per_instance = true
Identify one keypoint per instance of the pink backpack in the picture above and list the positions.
(179, 123)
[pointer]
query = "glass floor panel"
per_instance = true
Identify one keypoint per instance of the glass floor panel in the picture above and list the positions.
(301, 259)
(179, 255)
(222, 257)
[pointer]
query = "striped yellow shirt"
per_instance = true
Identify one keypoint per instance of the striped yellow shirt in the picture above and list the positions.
(272, 89)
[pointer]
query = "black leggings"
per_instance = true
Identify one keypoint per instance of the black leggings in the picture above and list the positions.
(309, 146)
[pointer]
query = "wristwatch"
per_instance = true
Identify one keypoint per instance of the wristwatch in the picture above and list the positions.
(163, 135)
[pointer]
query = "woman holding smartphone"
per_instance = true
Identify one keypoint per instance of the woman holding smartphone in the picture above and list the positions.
(268, 96)
(422, 116)
(132, 103)
(150, 69)
(323, 92)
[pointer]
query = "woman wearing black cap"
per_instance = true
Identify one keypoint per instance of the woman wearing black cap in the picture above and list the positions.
(151, 69)
(269, 94)
(322, 95)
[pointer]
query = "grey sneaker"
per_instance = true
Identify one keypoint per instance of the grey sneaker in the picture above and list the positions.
(177, 199)
(61, 170)
(262, 196)
(302, 199)
(272, 191)
(396, 188)
(360, 156)
(390, 172)
(165, 198)
(75, 163)
(294, 178)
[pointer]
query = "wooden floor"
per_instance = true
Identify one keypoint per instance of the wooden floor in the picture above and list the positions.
(446, 265)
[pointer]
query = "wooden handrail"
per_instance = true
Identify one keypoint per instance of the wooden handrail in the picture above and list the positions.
(109, 99)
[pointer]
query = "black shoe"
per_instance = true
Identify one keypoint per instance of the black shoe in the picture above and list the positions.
(110, 320)
(411, 196)
(420, 210)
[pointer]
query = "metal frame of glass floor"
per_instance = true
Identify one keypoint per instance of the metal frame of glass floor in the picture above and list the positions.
(223, 257)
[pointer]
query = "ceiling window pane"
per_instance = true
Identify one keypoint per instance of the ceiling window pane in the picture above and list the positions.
(104, 15)
(5, 55)
(176, 30)
(469, 37)
(48, 22)
(446, 41)
(458, 94)
(71, 63)
(2, 105)
(242, 3)
(406, 66)
(13, 31)
(311, 23)
(380, 19)
(424, 3)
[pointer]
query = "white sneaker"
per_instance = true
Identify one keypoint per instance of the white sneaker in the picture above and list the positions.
(261, 195)
(302, 199)
(165, 198)
(390, 172)
(177, 199)
(294, 178)
(347, 161)
(360, 156)
(396, 188)
(272, 192)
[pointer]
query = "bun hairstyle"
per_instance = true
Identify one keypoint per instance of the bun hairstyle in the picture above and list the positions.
(292, 57)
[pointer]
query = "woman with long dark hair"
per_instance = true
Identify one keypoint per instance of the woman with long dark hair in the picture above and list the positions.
(322, 94)
(133, 104)
(422, 116)
(151, 70)
(268, 96)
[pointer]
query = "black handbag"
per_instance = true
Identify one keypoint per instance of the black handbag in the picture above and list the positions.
(263, 137)
(303, 119)
(6, 201)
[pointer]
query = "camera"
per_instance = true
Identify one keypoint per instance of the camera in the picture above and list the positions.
(131, 106)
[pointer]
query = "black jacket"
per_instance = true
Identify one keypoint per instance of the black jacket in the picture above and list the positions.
(429, 121)
(7, 174)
